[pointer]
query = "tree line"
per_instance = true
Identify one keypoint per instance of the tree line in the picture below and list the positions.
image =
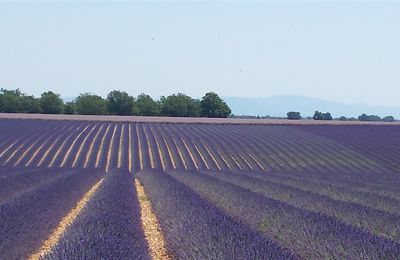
(292, 115)
(116, 103)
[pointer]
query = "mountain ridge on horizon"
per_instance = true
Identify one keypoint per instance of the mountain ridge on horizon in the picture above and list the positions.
(278, 106)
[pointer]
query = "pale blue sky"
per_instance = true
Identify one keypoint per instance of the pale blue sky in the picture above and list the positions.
(341, 51)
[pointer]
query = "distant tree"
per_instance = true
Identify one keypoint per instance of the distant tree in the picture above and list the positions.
(70, 108)
(51, 103)
(365, 117)
(343, 118)
(318, 116)
(322, 116)
(374, 118)
(180, 105)
(90, 104)
(212, 105)
(120, 103)
(388, 119)
(293, 115)
(147, 106)
(327, 116)
(30, 104)
(10, 101)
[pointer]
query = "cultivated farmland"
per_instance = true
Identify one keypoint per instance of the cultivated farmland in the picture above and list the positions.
(159, 189)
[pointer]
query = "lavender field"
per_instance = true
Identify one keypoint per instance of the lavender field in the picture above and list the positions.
(70, 189)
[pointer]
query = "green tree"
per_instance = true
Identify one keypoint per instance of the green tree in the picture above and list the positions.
(51, 103)
(120, 103)
(322, 116)
(212, 105)
(14, 101)
(70, 108)
(30, 104)
(90, 104)
(318, 116)
(179, 105)
(388, 119)
(365, 117)
(147, 106)
(327, 116)
(10, 101)
(292, 115)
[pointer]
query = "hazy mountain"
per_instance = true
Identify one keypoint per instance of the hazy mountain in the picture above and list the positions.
(280, 105)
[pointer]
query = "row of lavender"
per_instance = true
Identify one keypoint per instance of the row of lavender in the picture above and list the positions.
(302, 160)
(378, 142)
(323, 196)
(240, 148)
(195, 228)
(138, 146)
(205, 216)
(290, 156)
(35, 207)
(202, 215)
(108, 227)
